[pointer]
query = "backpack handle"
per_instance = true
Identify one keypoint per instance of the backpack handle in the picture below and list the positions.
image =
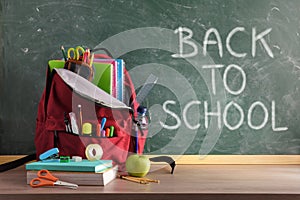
(107, 54)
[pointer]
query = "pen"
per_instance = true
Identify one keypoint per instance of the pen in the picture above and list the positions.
(136, 138)
(103, 121)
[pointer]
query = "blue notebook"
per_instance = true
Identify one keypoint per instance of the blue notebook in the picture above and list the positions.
(120, 79)
(84, 166)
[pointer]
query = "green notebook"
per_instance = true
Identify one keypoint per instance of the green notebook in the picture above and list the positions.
(103, 76)
(102, 73)
(84, 166)
(56, 64)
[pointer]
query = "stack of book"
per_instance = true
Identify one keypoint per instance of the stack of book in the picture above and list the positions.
(86, 172)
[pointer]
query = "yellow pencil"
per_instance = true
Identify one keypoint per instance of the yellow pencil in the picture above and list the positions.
(145, 179)
(133, 179)
(138, 180)
(92, 59)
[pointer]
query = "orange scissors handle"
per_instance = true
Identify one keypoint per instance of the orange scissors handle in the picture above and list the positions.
(45, 178)
(38, 182)
(45, 174)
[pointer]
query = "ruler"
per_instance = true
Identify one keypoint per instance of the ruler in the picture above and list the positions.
(144, 91)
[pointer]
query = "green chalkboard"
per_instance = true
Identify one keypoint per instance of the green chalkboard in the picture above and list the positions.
(228, 71)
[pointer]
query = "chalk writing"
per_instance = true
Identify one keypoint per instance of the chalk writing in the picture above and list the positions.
(212, 37)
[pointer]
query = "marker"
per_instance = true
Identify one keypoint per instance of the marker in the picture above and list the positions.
(107, 132)
(98, 130)
(64, 53)
(112, 128)
(103, 133)
(103, 121)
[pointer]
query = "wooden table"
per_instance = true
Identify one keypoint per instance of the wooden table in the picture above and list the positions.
(226, 182)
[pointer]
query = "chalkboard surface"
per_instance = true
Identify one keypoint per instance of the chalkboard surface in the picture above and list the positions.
(228, 71)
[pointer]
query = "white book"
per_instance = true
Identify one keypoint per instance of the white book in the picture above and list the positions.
(81, 178)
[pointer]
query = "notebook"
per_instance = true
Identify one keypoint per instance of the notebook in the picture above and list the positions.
(113, 73)
(103, 73)
(84, 166)
(117, 74)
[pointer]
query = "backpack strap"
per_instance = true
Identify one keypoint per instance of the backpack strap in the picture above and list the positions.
(166, 159)
(16, 163)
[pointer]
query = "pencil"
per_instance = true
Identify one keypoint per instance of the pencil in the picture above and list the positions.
(92, 59)
(132, 179)
(138, 180)
(64, 53)
(148, 180)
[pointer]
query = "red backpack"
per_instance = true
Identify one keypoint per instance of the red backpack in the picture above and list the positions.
(59, 98)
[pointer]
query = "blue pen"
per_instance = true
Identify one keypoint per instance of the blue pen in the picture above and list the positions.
(103, 121)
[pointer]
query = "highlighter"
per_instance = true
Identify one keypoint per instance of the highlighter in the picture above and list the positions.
(103, 133)
(107, 132)
(98, 130)
(112, 128)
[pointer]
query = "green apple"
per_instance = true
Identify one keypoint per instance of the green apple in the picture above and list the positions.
(137, 165)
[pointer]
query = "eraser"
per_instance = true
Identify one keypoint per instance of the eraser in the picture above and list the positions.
(76, 158)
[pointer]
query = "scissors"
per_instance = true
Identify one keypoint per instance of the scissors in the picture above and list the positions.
(45, 178)
(75, 53)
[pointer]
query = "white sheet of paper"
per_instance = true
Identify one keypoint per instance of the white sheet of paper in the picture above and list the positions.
(88, 90)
